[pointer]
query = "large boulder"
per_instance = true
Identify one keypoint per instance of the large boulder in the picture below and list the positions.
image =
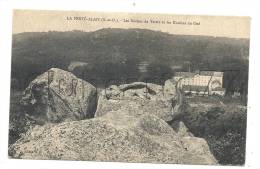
(180, 128)
(137, 98)
(57, 96)
(170, 87)
(116, 136)
(130, 126)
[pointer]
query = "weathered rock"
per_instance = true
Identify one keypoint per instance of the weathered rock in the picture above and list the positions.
(180, 128)
(57, 96)
(170, 88)
(116, 136)
(130, 126)
(137, 98)
(141, 89)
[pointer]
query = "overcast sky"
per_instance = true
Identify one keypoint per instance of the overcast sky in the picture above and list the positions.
(43, 21)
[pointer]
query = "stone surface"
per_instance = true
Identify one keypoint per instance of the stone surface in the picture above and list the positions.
(180, 128)
(170, 88)
(130, 125)
(137, 98)
(116, 136)
(57, 96)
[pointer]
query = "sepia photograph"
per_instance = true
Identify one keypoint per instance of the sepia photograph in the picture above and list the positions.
(129, 87)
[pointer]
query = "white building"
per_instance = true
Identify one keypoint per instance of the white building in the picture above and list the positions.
(75, 64)
(203, 82)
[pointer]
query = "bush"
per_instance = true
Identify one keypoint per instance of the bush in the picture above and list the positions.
(18, 122)
(223, 128)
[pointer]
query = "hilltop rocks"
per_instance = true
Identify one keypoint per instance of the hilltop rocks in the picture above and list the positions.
(170, 88)
(130, 124)
(57, 96)
(136, 98)
(181, 129)
(115, 136)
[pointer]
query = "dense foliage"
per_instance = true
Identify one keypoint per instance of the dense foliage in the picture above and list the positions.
(18, 121)
(224, 130)
(117, 53)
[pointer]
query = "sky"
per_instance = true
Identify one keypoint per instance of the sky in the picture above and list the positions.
(44, 21)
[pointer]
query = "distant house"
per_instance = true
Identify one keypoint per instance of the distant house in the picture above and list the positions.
(75, 64)
(176, 67)
(142, 66)
(201, 82)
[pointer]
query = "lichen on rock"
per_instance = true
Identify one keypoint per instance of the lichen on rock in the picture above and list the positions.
(57, 96)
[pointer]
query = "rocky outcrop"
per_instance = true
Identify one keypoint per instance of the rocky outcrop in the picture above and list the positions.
(170, 88)
(130, 125)
(180, 128)
(137, 98)
(57, 96)
(115, 136)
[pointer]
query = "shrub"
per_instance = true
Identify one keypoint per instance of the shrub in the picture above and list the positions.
(223, 128)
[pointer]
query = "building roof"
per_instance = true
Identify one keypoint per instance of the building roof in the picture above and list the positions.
(202, 73)
(211, 73)
(74, 64)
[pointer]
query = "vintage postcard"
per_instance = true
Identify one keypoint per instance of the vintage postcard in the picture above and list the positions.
(129, 87)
